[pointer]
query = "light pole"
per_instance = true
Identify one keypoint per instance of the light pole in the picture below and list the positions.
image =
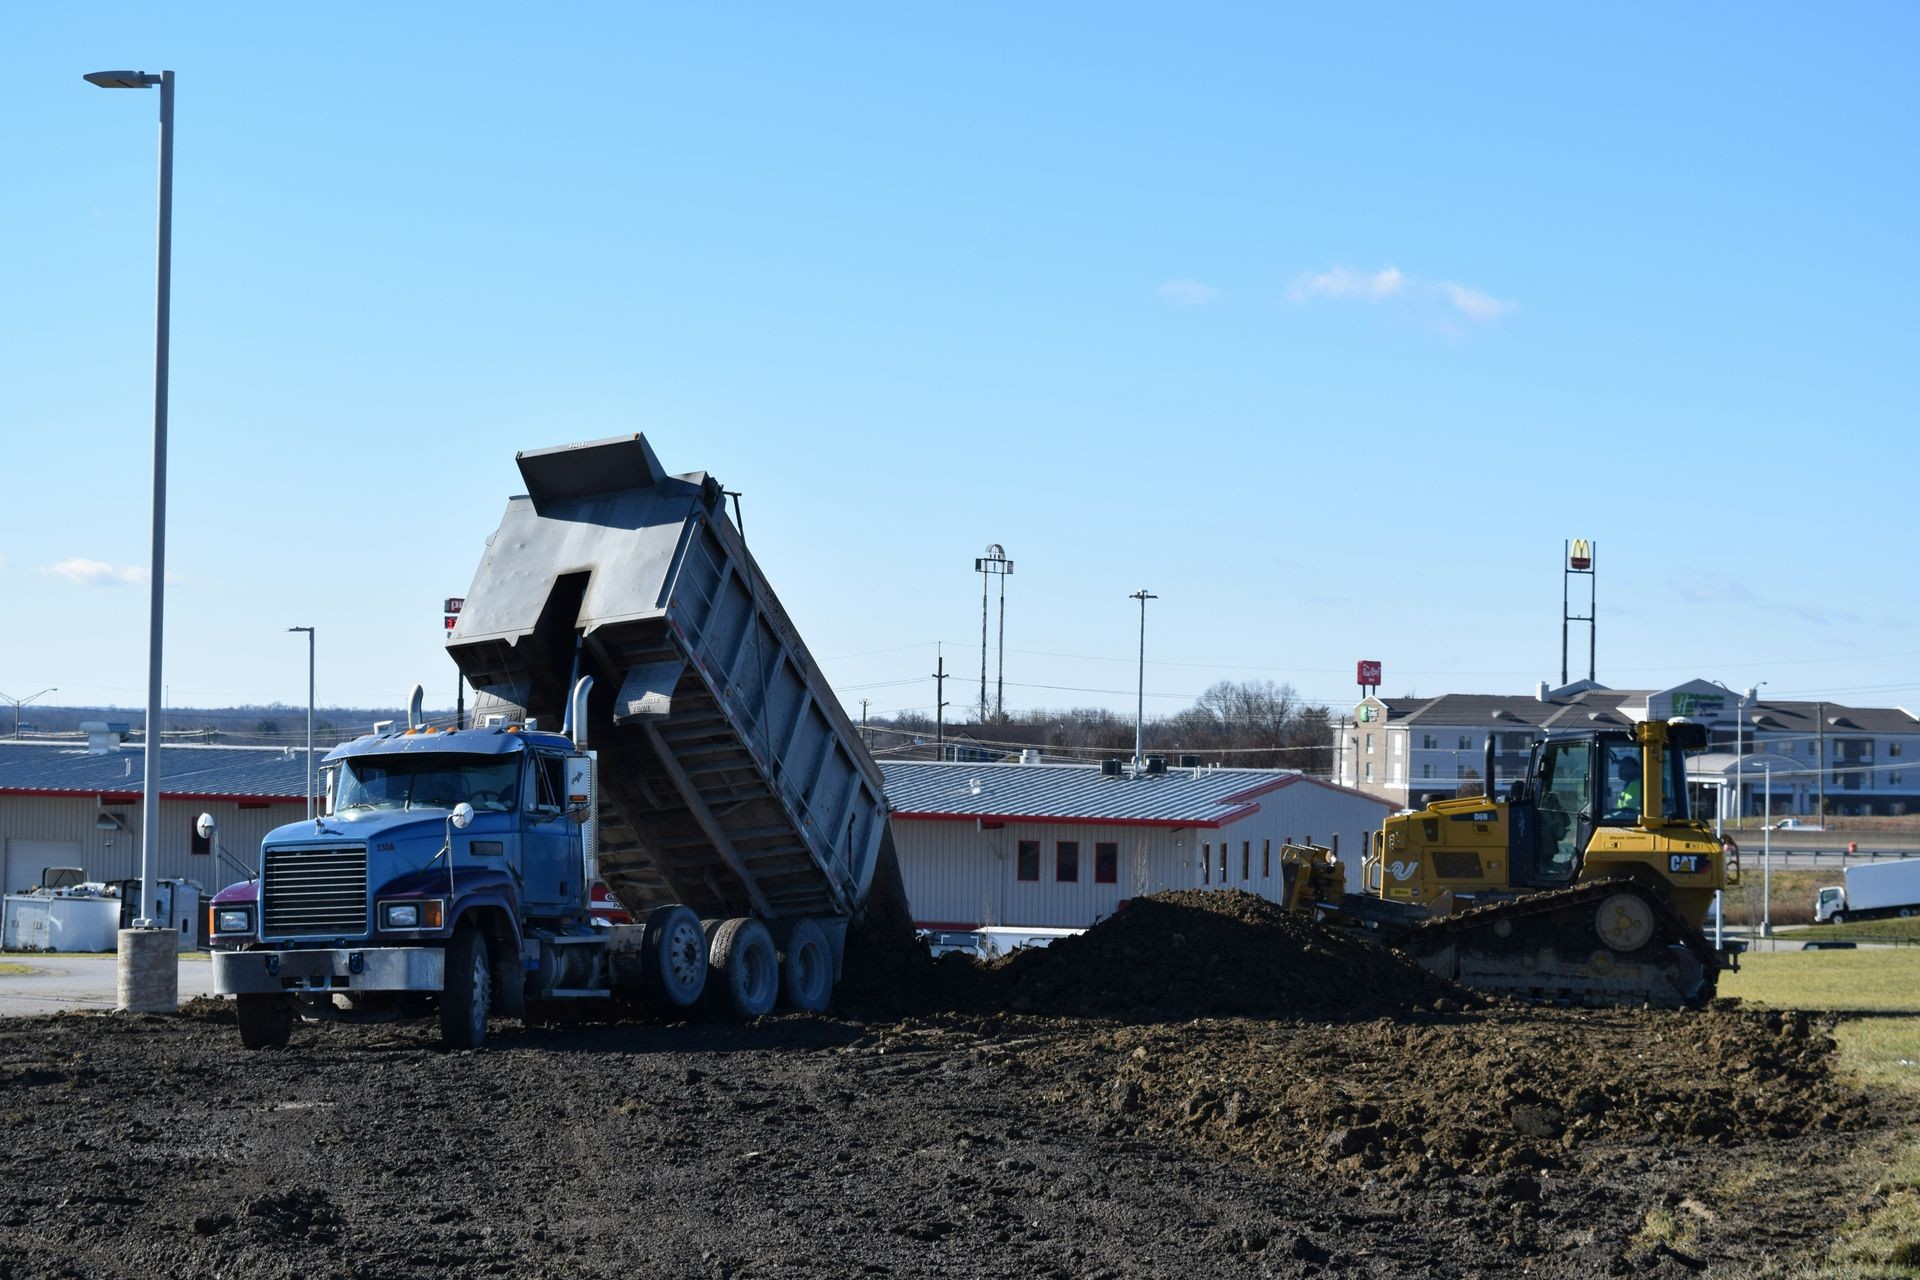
(1140, 707)
(993, 563)
(21, 702)
(149, 981)
(1766, 858)
(309, 631)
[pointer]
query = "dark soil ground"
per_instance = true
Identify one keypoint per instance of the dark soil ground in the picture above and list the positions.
(1392, 1133)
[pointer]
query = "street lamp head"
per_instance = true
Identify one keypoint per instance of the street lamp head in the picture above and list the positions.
(122, 79)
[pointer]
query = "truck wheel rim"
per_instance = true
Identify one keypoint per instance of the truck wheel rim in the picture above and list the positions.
(482, 991)
(684, 945)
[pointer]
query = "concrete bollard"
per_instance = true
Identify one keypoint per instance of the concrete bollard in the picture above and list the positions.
(149, 971)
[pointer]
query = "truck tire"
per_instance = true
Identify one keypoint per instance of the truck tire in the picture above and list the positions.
(745, 969)
(266, 1021)
(806, 969)
(673, 958)
(1905, 913)
(467, 997)
(1838, 917)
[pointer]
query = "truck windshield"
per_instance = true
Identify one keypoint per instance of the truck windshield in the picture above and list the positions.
(488, 783)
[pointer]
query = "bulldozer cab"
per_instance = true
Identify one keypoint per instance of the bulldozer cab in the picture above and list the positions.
(1580, 785)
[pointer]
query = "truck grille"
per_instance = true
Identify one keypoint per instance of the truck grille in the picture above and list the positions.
(313, 893)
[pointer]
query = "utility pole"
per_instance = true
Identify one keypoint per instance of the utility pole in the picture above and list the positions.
(1140, 707)
(1821, 730)
(865, 741)
(21, 702)
(939, 705)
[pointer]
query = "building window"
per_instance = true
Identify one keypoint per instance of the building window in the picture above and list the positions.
(1893, 750)
(201, 844)
(1246, 860)
(1369, 771)
(1369, 744)
(1266, 859)
(1106, 864)
(1428, 742)
(1426, 771)
(1893, 779)
(1029, 867)
(1465, 742)
(1206, 863)
(1223, 862)
(1066, 862)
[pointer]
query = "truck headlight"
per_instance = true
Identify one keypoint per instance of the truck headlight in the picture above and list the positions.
(425, 914)
(233, 920)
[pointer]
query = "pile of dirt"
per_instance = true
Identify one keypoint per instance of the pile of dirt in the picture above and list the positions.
(1510, 1092)
(1200, 953)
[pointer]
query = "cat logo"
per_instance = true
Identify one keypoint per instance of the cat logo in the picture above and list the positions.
(1580, 556)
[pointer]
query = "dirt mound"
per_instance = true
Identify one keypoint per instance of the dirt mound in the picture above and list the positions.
(1200, 953)
(1516, 1091)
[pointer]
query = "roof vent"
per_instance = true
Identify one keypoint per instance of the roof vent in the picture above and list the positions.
(1110, 768)
(1156, 765)
(1029, 755)
(1540, 691)
(103, 736)
(1189, 762)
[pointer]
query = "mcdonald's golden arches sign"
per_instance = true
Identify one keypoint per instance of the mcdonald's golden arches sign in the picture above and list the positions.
(1580, 555)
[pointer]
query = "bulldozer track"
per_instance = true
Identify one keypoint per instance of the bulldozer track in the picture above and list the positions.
(1429, 941)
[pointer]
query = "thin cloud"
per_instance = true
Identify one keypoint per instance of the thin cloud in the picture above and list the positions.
(96, 573)
(1473, 304)
(1189, 293)
(1344, 283)
(1391, 284)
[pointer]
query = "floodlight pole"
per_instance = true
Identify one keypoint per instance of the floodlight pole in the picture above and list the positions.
(157, 567)
(309, 631)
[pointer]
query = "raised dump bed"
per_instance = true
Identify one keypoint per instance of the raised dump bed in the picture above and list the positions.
(730, 780)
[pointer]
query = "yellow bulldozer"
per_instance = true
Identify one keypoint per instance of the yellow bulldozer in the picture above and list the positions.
(1587, 883)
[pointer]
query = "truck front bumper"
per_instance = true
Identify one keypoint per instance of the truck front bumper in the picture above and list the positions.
(320, 972)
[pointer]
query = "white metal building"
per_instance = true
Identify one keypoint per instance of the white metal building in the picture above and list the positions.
(1041, 845)
(77, 804)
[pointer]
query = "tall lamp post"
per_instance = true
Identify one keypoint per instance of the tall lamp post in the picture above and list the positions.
(149, 980)
(21, 702)
(309, 631)
(1739, 746)
(1766, 858)
(1140, 707)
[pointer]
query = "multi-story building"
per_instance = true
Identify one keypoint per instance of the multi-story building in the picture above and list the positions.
(1803, 757)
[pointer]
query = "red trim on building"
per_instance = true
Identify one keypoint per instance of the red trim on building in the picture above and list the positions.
(1171, 823)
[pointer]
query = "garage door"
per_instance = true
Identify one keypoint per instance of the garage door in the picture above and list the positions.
(26, 859)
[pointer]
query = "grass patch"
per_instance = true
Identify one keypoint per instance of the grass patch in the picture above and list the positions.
(1791, 891)
(1884, 1241)
(13, 969)
(1894, 932)
(1850, 981)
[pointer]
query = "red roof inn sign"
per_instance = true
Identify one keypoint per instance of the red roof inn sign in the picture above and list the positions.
(1367, 673)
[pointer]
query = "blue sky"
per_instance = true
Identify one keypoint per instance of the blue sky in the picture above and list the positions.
(1327, 329)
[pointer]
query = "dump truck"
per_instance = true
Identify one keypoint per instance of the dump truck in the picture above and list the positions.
(647, 719)
(1588, 883)
(1871, 892)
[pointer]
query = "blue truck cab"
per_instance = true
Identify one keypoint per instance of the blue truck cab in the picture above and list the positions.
(450, 865)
